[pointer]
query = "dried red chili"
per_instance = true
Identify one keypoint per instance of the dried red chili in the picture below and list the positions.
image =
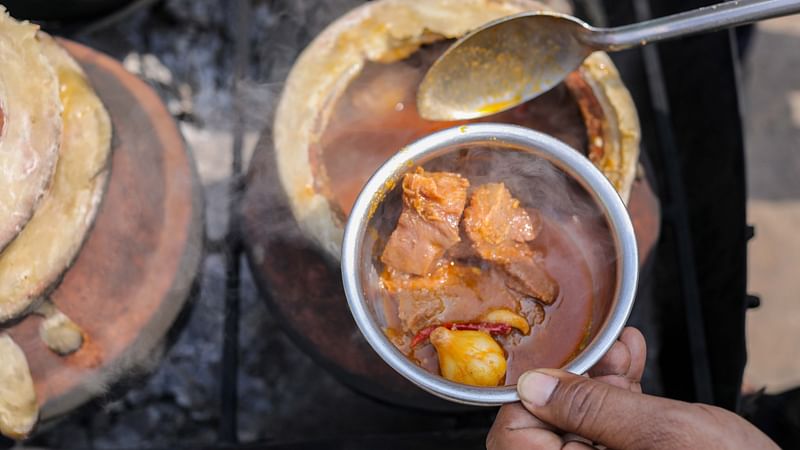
(491, 328)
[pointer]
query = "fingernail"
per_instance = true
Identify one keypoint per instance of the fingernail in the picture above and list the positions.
(536, 388)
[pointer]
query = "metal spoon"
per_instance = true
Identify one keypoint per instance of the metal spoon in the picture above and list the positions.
(514, 59)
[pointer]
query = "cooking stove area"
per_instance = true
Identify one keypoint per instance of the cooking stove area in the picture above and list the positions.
(237, 372)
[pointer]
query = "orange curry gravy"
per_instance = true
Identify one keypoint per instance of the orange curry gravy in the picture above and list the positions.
(377, 115)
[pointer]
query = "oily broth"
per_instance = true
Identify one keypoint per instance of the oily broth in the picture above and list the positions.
(377, 115)
(568, 320)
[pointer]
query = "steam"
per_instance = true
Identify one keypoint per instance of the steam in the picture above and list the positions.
(138, 362)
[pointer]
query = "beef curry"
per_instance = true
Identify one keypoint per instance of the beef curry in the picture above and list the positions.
(478, 287)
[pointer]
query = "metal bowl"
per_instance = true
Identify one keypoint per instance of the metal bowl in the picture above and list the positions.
(378, 206)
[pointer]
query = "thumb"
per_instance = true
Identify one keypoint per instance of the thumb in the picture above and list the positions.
(597, 411)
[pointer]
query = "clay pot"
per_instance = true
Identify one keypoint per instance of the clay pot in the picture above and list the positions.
(349, 103)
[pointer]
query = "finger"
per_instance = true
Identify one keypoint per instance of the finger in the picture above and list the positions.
(597, 411)
(620, 382)
(572, 437)
(617, 361)
(577, 446)
(515, 416)
(634, 340)
(516, 428)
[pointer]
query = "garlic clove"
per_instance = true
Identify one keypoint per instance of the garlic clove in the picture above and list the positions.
(469, 357)
(508, 317)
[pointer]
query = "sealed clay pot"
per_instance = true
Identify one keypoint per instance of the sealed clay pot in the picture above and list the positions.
(349, 104)
(89, 286)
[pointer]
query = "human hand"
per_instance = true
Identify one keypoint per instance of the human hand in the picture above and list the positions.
(560, 410)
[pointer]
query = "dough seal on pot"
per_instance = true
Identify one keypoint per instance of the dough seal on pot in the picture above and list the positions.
(30, 129)
(18, 408)
(34, 262)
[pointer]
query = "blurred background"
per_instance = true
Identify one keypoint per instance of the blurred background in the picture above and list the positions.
(219, 65)
(772, 131)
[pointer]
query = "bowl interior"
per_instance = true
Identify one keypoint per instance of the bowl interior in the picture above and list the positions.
(588, 272)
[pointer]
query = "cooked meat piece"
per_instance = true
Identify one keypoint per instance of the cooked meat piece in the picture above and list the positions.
(420, 299)
(418, 311)
(462, 251)
(532, 311)
(452, 293)
(399, 339)
(498, 227)
(428, 225)
(445, 274)
(500, 230)
(529, 278)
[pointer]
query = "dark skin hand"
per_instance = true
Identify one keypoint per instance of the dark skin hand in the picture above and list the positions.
(560, 410)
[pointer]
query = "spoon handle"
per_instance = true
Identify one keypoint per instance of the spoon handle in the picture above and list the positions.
(709, 18)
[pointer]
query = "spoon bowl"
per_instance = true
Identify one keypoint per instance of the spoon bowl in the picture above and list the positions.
(516, 58)
(466, 148)
(502, 64)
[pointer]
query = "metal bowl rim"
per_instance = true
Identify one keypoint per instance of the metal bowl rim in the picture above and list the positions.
(520, 139)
